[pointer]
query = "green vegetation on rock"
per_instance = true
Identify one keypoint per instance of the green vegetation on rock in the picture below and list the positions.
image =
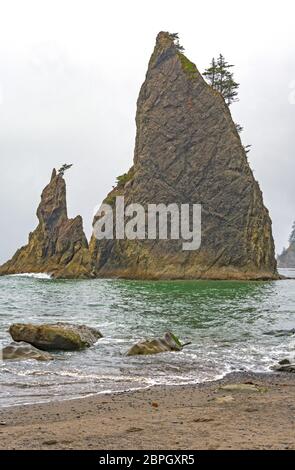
(110, 199)
(174, 337)
(188, 66)
(123, 179)
(220, 77)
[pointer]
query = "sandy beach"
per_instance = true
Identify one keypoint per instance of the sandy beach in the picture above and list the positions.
(241, 411)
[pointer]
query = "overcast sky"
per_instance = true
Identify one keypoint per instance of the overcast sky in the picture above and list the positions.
(70, 73)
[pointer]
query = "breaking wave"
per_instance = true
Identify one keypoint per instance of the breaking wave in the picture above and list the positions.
(34, 275)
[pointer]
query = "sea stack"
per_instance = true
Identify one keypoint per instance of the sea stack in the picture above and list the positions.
(58, 245)
(188, 151)
(287, 258)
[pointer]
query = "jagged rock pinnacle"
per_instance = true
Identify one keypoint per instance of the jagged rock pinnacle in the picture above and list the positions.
(58, 245)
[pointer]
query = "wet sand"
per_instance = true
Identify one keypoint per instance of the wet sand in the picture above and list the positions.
(260, 414)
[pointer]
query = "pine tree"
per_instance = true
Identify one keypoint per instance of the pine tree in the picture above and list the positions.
(221, 79)
(175, 38)
(64, 168)
(247, 148)
(211, 73)
(239, 127)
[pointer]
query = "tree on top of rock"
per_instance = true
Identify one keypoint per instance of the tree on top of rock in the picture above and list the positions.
(64, 168)
(221, 79)
(175, 38)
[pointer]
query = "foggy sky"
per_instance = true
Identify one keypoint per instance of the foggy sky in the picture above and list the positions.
(70, 74)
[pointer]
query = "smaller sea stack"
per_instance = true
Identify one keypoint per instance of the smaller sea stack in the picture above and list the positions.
(58, 245)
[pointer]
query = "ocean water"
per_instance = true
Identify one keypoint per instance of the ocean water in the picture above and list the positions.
(225, 321)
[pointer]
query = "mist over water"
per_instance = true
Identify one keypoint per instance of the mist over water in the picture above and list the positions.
(225, 321)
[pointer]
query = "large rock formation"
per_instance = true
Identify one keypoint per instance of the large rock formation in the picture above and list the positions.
(287, 258)
(189, 151)
(58, 246)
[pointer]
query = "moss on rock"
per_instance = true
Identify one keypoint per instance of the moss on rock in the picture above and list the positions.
(169, 342)
(188, 66)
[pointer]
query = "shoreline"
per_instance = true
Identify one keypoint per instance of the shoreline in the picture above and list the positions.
(50, 276)
(253, 411)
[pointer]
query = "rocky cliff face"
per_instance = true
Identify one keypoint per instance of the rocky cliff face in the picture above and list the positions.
(58, 245)
(188, 151)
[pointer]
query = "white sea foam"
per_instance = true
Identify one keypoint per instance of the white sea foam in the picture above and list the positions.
(33, 275)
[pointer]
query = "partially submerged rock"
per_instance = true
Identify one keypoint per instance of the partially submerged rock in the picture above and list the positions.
(55, 336)
(169, 342)
(290, 332)
(285, 366)
(24, 351)
(285, 361)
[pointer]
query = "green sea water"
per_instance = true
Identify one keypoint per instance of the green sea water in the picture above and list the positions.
(231, 325)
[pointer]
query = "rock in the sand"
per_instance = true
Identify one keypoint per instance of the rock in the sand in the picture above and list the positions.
(222, 400)
(24, 351)
(55, 336)
(285, 367)
(243, 388)
(169, 342)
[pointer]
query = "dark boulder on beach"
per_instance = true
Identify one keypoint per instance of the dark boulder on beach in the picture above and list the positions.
(169, 342)
(285, 366)
(17, 351)
(55, 336)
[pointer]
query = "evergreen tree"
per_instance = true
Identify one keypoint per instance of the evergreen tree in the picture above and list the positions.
(221, 79)
(64, 168)
(247, 148)
(211, 73)
(175, 38)
(292, 236)
(239, 128)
